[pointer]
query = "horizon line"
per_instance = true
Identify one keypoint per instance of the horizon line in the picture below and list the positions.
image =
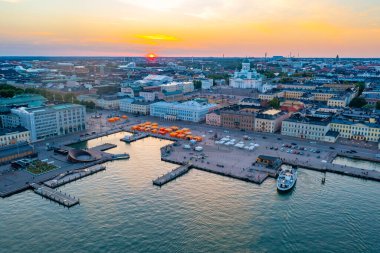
(219, 57)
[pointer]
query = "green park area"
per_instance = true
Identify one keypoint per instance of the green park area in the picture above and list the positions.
(38, 167)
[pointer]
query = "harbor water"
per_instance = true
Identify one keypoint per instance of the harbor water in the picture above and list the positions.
(357, 163)
(121, 211)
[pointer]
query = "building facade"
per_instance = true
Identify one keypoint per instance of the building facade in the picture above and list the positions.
(49, 121)
(9, 120)
(9, 136)
(136, 107)
(270, 121)
(187, 111)
(356, 130)
(213, 119)
(305, 127)
(238, 119)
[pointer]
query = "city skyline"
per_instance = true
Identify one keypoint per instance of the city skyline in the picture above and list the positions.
(190, 28)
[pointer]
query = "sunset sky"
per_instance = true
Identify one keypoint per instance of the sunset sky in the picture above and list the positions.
(310, 28)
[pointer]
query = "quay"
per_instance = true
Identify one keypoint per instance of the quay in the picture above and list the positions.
(160, 181)
(57, 196)
(104, 147)
(337, 169)
(70, 176)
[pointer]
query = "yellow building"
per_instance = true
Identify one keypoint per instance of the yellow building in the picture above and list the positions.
(356, 130)
(11, 136)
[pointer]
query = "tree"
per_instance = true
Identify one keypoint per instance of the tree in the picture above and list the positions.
(197, 84)
(358, 102)
(275, 103)
(88, 104)
(378, 105)
(360, 86)
(8, 91)
(286, 80)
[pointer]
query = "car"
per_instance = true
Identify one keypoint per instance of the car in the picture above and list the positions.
(293, 143)
(318, 151)
(279, 139)
(331, 147)
(275, 148)
(353, 151)
(271, 148)
(210, 131)
(264, 137)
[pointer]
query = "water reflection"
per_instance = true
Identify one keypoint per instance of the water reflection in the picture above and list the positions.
(357, 163)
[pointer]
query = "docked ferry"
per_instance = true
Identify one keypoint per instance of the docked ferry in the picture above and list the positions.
(287, 178)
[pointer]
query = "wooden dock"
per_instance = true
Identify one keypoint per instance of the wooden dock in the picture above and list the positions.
(57, 196)
(172, 175)
(70, 176)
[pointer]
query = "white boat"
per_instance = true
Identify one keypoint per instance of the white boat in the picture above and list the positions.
(286, 180)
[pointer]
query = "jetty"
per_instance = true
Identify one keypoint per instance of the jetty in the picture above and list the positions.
(104, 147)
(120, 156)
(54, 195)
(160, 181)
(134, 137)
(70, 176)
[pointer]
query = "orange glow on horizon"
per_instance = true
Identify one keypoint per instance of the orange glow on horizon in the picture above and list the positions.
(190, 28)
(151, 56)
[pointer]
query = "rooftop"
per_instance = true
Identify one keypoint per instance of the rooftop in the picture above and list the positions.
(18, 129)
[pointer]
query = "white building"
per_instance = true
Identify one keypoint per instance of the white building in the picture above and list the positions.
(207, 83)
(306, 127)
(247, 78)
(48, 121)
(9, 120)
(187, 87)
(188, 111)
(136, 107)
(148, 96)
(108, 102)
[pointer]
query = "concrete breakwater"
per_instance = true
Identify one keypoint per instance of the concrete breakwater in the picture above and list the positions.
(71, 176)
(166, 178)
(54, 195)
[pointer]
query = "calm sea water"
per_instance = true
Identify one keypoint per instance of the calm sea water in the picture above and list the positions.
(121, 211)
(357, 163)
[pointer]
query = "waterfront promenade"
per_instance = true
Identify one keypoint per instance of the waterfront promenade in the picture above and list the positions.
(240, 164)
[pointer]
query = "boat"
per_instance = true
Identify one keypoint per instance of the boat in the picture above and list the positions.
(287, 178)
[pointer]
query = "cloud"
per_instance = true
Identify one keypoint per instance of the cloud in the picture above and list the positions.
(157, 37)
(11, 1)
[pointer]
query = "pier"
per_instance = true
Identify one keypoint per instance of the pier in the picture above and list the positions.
(172, 175)
(104, 147)
(57, 196)
(134, 137)
(70, 176)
